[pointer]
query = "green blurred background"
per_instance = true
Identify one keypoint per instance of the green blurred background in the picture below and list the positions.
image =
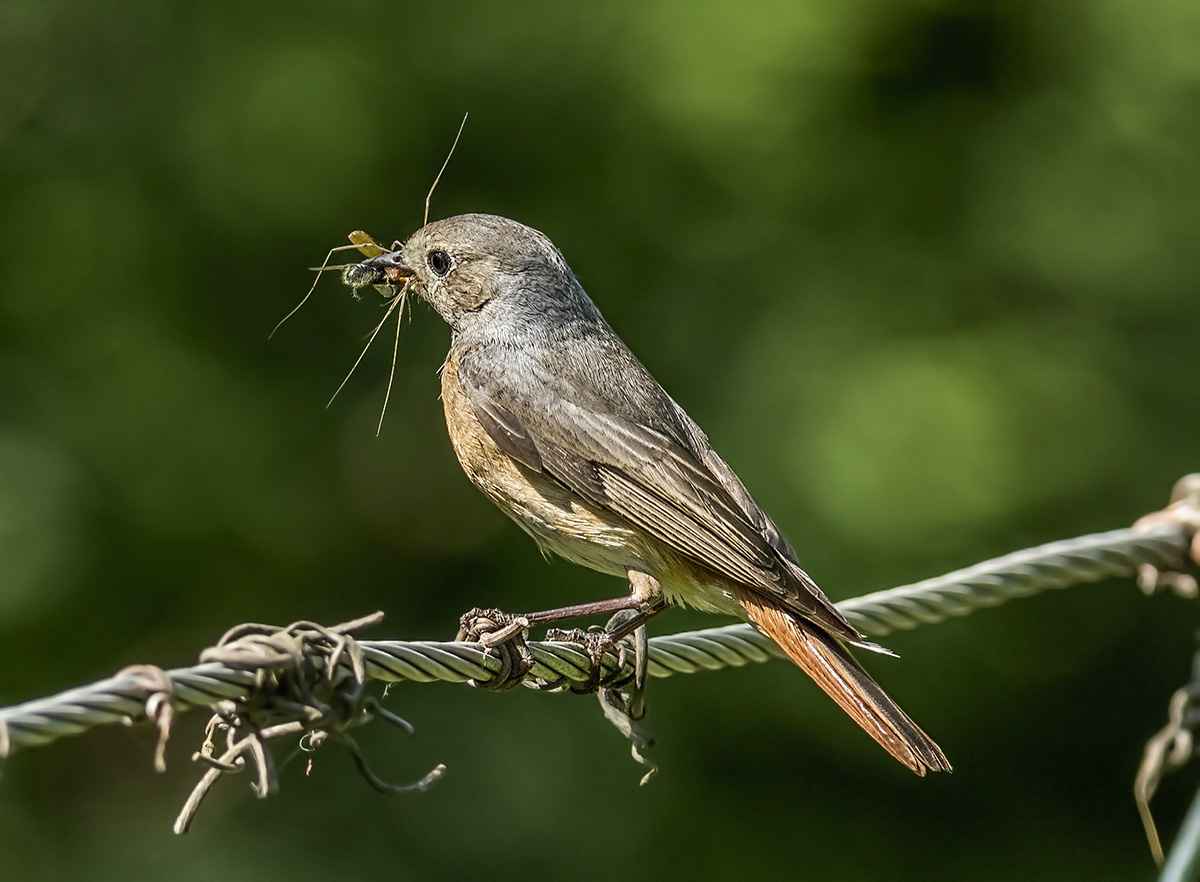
(925, 272)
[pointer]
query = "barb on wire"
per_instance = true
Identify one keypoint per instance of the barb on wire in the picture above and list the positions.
(1168, 751)
(1183, 511)
(1173, 746)
(264, 683)
(308, 680)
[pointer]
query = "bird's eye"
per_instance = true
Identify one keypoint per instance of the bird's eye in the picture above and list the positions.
(439, 262)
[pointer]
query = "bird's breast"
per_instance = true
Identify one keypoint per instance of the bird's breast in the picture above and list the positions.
(558, 519)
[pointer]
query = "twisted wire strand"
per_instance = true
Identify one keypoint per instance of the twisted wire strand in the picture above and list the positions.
(1024, 573)
(1085, 559)
(116, 699)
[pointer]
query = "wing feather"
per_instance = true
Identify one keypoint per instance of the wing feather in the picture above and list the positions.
(666, 481)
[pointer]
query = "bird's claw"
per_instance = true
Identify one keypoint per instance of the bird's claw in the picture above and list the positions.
(595, 643)
(504, 635)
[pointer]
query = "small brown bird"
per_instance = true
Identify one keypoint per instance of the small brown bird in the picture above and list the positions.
(560, 425)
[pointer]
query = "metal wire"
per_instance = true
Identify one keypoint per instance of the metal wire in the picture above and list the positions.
(1092, 558)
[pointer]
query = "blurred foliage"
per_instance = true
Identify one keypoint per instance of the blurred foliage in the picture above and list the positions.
(926, 273)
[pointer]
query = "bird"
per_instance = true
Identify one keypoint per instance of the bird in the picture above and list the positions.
(554, 418)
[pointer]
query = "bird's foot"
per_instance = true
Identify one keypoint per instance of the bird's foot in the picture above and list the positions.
(490, 627)
(503, 635)
(595, 643)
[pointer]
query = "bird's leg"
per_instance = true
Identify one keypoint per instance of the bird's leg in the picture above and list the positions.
(494, 628)
(645, 600)
(617, 630)
(507, 633)
(646, 593)
(578, 610)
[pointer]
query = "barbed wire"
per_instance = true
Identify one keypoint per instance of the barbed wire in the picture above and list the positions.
(265, 682)
(559, 664)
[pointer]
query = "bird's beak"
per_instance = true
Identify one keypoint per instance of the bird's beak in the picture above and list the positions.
(386, 269)
(394, 268)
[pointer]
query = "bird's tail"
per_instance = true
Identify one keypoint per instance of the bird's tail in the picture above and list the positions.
(830, 664)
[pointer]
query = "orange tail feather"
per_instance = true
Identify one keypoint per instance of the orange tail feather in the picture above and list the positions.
(830, 664)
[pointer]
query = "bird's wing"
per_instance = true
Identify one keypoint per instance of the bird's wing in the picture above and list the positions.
(654, 480)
